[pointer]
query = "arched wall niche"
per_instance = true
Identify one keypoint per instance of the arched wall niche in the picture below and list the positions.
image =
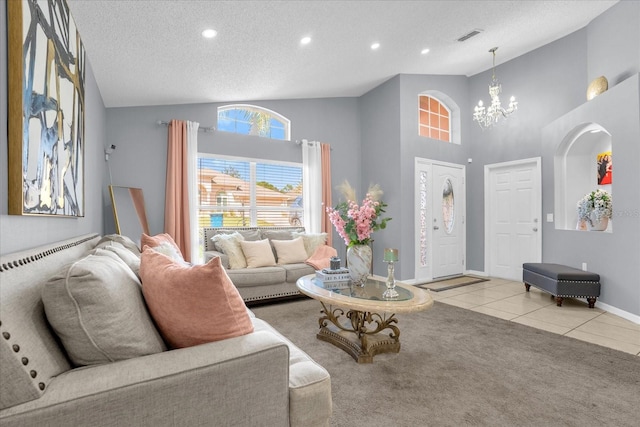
(575, 171)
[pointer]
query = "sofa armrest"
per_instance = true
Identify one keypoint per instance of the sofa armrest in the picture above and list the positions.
(224, 259)
(238, 381)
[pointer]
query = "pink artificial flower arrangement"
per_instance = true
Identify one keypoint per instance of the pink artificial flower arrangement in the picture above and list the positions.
(355, 223)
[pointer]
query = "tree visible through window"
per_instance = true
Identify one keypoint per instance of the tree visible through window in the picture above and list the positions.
(236, 192)
(253, 120)
(435, 119)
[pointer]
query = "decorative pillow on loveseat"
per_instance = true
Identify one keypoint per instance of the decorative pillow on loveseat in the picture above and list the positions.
(229, 244)
(290, 251)
(96, 308)
(192, 304)
(258, 254)
(311, 240)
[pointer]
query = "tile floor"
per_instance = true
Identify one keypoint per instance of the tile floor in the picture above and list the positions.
(508, 300)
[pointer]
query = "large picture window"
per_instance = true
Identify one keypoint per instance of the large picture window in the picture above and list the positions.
(253, 120)
(237, 192)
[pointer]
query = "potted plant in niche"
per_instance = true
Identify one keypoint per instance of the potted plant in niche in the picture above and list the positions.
(595, 210)
(355, 224)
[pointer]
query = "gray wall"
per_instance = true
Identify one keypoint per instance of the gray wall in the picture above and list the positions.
(23, 232)
(381, 151)
(613, 255)
(140, 156)
(551, 84)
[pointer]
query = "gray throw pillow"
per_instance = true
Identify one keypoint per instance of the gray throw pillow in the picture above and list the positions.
(95, 306)
(129, 258)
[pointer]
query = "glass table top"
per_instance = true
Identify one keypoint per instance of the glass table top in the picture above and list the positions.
(372, 290)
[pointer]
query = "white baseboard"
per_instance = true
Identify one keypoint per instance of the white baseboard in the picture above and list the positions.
(620, 313)
(476, 273)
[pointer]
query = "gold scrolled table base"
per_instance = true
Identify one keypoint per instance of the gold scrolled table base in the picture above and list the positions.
(359, 320)
(360, 337)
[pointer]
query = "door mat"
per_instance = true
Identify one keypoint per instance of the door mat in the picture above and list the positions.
(451, 283)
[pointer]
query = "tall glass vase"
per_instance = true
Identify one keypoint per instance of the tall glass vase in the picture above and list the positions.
(359, 263)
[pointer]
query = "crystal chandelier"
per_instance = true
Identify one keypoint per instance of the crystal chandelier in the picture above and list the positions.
(487, 117)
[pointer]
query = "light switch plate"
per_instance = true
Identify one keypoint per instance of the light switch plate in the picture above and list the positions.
(549, 217)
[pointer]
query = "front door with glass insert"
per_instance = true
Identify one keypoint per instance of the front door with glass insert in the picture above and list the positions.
(447, 221)
(440, 210)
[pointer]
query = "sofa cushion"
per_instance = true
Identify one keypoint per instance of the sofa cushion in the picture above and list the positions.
(192, 304)
(311, 240)
(125, 254)
(258, 254)
(31, 356)
(277, 234)
(123, 240)
(249, 235)
(257, 276)
(96, 308)
(290, 251)
(296, 271)
(229, 245)
(309, 384)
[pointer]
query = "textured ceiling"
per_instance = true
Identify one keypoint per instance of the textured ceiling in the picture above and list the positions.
(150, 52)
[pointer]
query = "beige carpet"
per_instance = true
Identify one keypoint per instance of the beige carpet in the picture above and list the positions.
(459, 368)
(454, 282)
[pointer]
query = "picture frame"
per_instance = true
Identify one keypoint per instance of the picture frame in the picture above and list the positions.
(604, 168)
(46, 78)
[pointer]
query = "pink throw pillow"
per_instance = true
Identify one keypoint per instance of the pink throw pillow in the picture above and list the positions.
(192, 305)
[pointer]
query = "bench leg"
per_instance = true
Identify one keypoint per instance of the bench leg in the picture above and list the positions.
(592, 302)
(527, 286)
(559, 301)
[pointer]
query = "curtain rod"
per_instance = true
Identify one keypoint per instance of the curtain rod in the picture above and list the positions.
(200, 128)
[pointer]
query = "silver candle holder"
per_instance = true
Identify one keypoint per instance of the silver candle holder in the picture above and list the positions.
(390, 257)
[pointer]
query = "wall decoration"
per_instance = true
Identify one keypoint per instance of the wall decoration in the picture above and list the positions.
(596, 87)
(46, 109)
(605, 167)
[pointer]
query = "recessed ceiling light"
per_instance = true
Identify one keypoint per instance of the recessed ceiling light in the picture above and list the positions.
(424, 51)
(209, 33)
(375, 46)
(305, 40)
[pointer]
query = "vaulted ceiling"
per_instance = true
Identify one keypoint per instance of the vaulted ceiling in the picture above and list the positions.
(151, 52)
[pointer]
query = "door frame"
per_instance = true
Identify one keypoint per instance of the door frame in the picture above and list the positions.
(428, 165)
(537, 162)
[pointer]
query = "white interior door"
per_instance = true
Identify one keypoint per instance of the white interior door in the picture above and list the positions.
(439, 219)
(448, 221)
(512, 217)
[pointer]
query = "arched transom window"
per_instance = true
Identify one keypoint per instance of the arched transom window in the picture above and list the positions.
(248, 119)
(434, 119)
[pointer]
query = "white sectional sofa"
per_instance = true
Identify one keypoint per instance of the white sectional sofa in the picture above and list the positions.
(255, 379)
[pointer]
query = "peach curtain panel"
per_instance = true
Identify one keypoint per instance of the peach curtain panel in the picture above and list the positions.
(177, 222)
(326, 192)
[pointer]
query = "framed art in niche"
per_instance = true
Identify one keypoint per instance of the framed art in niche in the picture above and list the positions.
(46, 71)
(605, 168)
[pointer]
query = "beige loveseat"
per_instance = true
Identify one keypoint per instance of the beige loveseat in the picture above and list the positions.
(262, 283)
(255, 379)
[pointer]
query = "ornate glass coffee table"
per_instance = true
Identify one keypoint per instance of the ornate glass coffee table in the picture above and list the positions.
(359, 331)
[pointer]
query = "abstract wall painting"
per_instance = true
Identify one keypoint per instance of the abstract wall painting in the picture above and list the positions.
(604, 168)
(46, 109)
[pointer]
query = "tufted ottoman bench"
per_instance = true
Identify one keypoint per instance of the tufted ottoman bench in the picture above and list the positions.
(562, 281)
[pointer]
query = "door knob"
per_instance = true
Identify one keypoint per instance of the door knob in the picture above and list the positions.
(535, 228)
